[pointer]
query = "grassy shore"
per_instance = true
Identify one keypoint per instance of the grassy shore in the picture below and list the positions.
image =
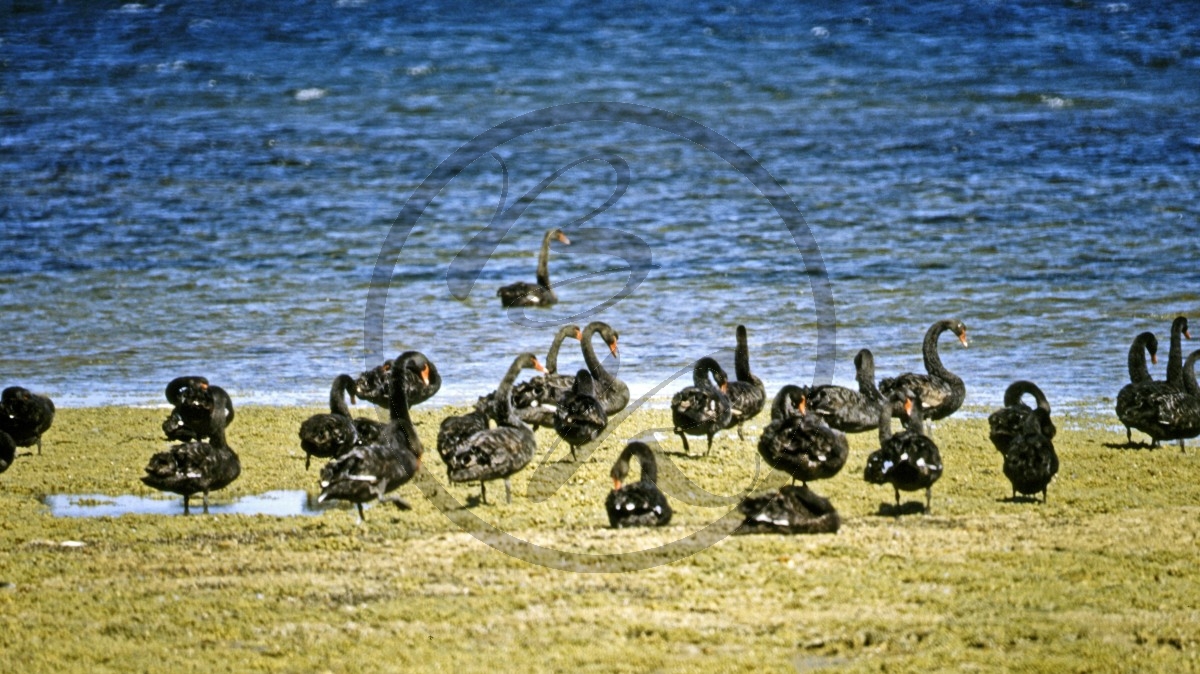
(1101, 578)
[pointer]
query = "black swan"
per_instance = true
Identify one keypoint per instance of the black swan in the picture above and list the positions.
(941, 391)
(196, 466)
(847, 410)
(791, 510)
(804, 446)
(637, 504)
(579, 417)
(497, 453)
(195, 401)
(908, 460)
(1139, 375)
(522, 294)
(327, 436)
(370, 472)
(1007, 422)
(702, 408)
(1029, 460)
(609, 390)
(8, 451)
(420, 376)
(746, 395)
(25, 416)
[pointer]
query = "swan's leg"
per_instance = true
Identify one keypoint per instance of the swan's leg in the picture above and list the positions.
(1181, 449)
(483, 492)
(205, 501)
(709, 450)
(507, 491)
(40, 445)
(1128, 435)
(573, 459)
(186, 511)
(1044, 497)
(307, 458)
(361, 518)
(897, 490)
(928, 498)
(740, 436)
(685, 444)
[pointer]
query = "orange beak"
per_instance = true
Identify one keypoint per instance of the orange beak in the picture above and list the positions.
(1185, 334)
(563, 238)
(725, 387)
(578, 334)
(963, 338)
(538, 366)
(353, 400)
(802, 405)
(425, 374)
(613, 348)
(1154, 359)
(616, 484)
(908, 406)
(203, 386)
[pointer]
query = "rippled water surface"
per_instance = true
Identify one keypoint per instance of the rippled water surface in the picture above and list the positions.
(205, 188)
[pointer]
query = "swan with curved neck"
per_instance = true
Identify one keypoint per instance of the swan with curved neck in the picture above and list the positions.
(641, 503)
(370, 472)
(803, 446)
(611, 391)
(196, 466)
(702, 408)
(941, 391)
(497, 453)
(522, 294)
(326, 436)
(1006, 423)
(1179, 330)
(25, 416)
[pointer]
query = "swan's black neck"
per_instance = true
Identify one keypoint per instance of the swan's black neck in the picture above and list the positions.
(504, 402)
(645, 457)
(1175, 357)
(552, 355)
(584, 386)
(543, 268)
(929, 350)
(1018, 389)
(885, 424)
(399, 403)
(589, 353)
(1139, 372)
(1189, 375)
(741, 356)
(703, 368)
(337, 395)
(864, 364)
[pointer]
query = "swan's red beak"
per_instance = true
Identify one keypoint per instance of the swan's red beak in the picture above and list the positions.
(425, 374)
(563, 238)
(1185, 334)
(803, 405)
(538, 366)
(613, 348)
(203, 386)
(963, 338)
(353, 400)
(725, 387)
(616, 484)
(578, 334)
(1154, 359)
(908, 406)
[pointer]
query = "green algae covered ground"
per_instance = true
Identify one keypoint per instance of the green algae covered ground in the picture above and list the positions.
(1101, 578)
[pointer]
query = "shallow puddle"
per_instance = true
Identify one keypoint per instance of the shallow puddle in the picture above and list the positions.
(284, 503)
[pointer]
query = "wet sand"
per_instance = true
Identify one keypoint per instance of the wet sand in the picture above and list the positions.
(1100, 578)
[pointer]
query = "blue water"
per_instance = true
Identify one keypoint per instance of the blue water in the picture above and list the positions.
(205, 188)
